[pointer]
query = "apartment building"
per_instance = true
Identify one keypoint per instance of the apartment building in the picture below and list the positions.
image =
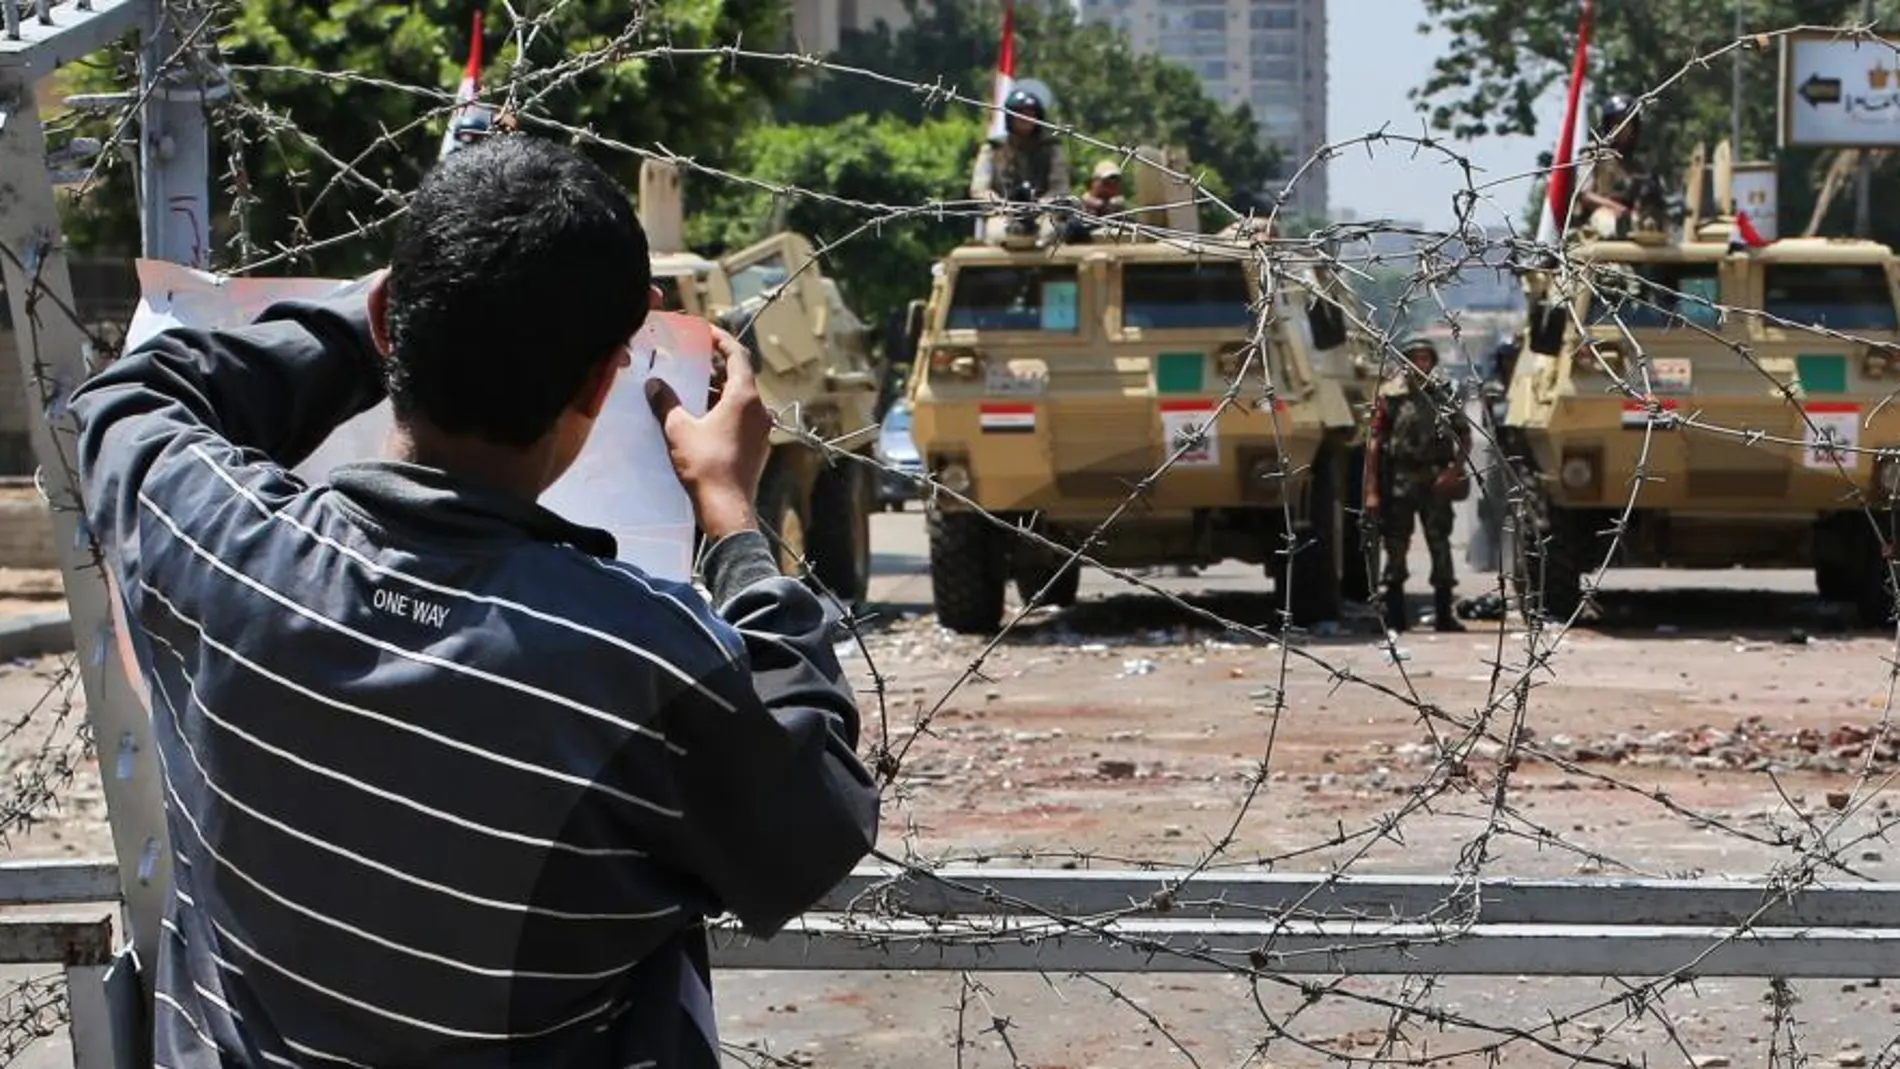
(817, 24)
(1270, 54)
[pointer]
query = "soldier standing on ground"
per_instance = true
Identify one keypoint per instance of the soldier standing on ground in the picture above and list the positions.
(1420, 438)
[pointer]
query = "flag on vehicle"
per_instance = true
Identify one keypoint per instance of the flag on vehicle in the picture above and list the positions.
(1005, 74)
(467, 114)
(1563, 175)
(1744, 235)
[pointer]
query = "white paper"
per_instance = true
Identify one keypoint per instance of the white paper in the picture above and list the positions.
(622, 481)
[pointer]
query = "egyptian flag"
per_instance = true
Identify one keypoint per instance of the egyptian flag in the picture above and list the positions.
(1563, 174)
(1005, 73)
(1743, 234)
(471, 86)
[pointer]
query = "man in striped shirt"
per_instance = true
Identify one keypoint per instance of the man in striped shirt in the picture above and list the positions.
(445, 783)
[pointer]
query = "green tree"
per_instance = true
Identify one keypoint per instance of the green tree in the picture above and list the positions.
(1105, 89)
(1505, 54)
(885, 161)
(318, 155)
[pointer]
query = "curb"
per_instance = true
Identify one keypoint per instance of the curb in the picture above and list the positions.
(36, 635)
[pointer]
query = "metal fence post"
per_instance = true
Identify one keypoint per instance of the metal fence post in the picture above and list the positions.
(174, 143)
(54, 357)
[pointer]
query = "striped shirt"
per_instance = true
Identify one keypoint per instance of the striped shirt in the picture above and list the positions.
(445, 783)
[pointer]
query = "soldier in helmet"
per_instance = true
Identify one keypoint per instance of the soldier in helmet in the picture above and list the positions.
(1420, 439)
(1619, 190)
(1027, 164)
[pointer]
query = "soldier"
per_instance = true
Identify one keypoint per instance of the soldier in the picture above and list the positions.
(1619, 189)
(1027, 164)
(1420, 438)
(1105, 190)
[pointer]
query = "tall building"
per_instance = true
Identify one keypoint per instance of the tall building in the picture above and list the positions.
(817, 24)
(1270, 54)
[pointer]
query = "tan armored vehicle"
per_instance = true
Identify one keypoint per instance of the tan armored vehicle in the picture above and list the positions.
(1759, 488)
(814, 367)
(1050, 385)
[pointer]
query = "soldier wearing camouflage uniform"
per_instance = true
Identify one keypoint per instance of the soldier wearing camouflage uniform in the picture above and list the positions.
(1619, 194)
(1029, 156)
(1420, 437)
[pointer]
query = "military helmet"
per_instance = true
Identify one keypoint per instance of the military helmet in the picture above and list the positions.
(1417, 343)
(1616, 109)
(1025, 103)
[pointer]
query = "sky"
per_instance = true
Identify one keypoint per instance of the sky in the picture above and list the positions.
(1372, 62)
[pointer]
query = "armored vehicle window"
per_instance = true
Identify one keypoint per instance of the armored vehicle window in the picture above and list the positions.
(669, 286)
(1658, 295)
(1837, 296)
(1014, 298)
(755, 278)
(1184, 296)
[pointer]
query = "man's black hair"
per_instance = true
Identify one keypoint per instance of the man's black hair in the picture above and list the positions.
(518, 268)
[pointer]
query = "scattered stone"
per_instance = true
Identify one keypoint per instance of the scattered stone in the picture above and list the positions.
(1115, 769)
(1850, 1059)
(1137, 666)
(1711, 1061)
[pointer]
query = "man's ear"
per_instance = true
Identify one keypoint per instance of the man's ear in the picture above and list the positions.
(379, 314)
(593, 395)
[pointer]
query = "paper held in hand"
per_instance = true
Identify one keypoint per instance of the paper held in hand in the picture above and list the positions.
(622, 481)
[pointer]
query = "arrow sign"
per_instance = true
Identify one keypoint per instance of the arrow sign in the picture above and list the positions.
(1818, 90)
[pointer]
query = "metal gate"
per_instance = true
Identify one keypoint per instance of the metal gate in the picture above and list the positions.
(970, 918)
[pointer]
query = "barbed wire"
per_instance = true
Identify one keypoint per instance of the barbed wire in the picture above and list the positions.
(1469, 781)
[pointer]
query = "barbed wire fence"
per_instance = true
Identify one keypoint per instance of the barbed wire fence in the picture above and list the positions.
(1475, 755)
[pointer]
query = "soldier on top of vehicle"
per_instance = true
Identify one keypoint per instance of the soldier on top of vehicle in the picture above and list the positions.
(1415, 469)
(1027, 165)
(1620, 193)
(1104, 196)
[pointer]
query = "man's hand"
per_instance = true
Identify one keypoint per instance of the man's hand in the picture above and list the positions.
(720, 456)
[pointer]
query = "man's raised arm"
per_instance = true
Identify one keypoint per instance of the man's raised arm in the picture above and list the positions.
(777, 806)
(277, 387)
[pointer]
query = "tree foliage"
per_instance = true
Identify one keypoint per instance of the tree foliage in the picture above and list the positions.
(1104, 88)
(854, 137)
(885, 161)
(297, 131)
(1505, 54)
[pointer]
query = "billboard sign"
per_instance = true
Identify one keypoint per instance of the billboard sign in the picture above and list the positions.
(1839, 92)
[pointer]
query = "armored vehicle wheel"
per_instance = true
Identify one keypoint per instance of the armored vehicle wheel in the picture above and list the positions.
(1033, 568)
(841, 502)
(786, 518)
(1356, 581)
(1548, 570)
(1849, 565)
(1314, 597)
(1838, 549)
(967, 572)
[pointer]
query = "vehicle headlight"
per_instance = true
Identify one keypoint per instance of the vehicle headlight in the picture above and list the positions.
(1577, 472)
(1887, 470)
(954, 478)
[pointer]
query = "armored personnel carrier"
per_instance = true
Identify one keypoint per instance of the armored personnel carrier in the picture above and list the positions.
(1081, 388)
(814, 364)
(1779, 353)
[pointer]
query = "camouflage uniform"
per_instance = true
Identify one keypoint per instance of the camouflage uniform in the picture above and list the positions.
(1418, 431)
(1626, 181)
(1001, 166)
